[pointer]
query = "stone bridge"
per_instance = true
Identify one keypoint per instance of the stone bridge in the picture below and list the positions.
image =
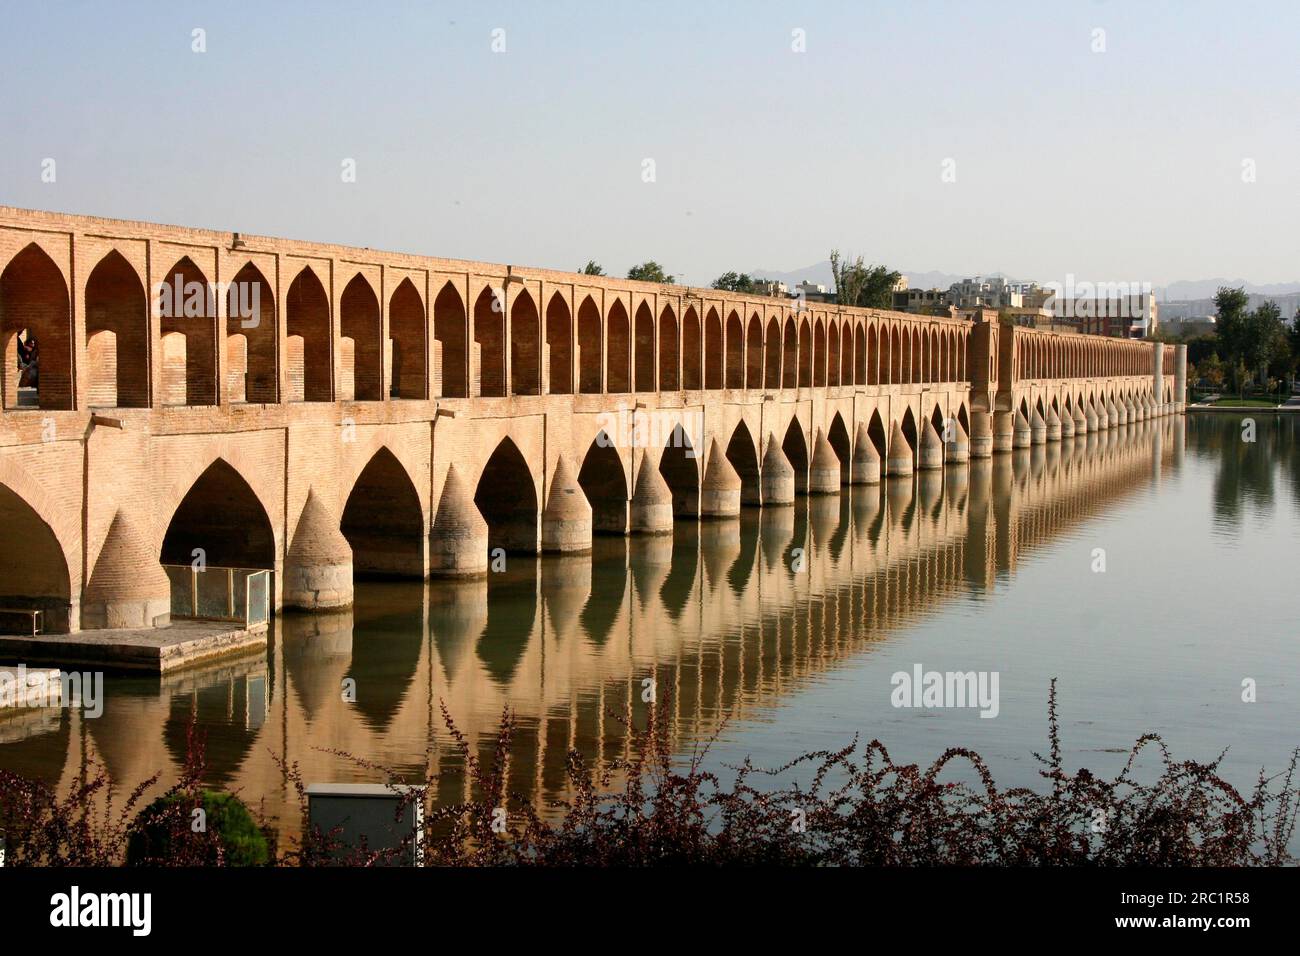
(323, 411)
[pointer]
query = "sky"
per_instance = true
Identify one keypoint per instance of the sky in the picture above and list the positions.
(1114, 141)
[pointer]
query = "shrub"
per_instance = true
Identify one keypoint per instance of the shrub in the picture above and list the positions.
(164, 834)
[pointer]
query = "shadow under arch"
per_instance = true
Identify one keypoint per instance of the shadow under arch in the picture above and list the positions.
(383, 521)
(604, 482)
(795, 447)
(742, 452)
(222, 515)
(838, 436)
(33, 568)
(679, 464)
(507, 498)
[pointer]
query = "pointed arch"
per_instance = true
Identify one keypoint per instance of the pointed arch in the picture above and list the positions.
(383, 520)
(645, 349)
(361, 321)
(772, 374)
(33, 568)
(506, 496)
(908, 425)
(34, 304)
(754, 352)
(789, 354)
(308, 362)
(692, 343)
(713, 350)
(117, 315)
(742, 452)
(805, 354)
(795, 447)
(838, 436)
(679, 464)
(876, 432)
(618, 360)
(188, 326)
(819, 354)
(525, 345)
(590, 362)
(406, 325)
(559, 339)
(669, 353)
(735, 352)
(490, 338)
(451, 341)
(604, 482)
(252, 338)
(222, 515)
(833, 354)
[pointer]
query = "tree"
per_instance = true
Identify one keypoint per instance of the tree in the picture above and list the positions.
(856, 283)
(1265, 341)
(735, 282)
(1230, 328)
(650, 271)
(1210, 370)
(592, 268)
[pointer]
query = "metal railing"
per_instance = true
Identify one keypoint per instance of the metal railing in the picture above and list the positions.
(241, 595)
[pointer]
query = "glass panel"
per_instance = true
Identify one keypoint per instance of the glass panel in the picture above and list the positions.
(214, 593)
(180, 577)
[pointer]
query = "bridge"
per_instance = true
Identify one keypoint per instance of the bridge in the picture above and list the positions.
(327, 412)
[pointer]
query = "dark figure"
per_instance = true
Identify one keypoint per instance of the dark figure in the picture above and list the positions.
(29, 353)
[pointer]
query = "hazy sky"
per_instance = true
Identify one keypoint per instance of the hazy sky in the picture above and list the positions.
(1125, 164)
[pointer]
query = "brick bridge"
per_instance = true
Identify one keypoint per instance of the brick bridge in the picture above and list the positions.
(323, 411)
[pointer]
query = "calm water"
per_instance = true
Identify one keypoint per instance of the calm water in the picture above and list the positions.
(779, 634)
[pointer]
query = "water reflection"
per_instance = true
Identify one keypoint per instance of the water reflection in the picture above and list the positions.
(726, 617)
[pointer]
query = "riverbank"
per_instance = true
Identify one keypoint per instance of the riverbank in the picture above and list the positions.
(156, 650)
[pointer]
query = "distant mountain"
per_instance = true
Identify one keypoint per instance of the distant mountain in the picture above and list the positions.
(1190, 289)
(821, 272)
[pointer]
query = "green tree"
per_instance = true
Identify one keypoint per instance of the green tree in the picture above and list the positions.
(735, 282)
(1230, 328)
(871, 287)
(1266, 342)
(592, 268)
(1210, 369)
(650, 271)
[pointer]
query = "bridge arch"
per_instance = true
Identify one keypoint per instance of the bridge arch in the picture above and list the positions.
(772, 372)
(789, 354)
(735, 352)
(252, 373)
(742, 452)
(754, 352)
(34, 556)
(908, 426)
(506, 496)
(713, 350)
(490, 337)
(679, 464)
(117, 334)
(819, 354)
(308, 365)
(408, 374)
(692, 343)
(188, 329)
(34, 301)
(361, 324)
(222, 515)
(838, 436)
(795, 446)
(603, 479)
(450, 332)
(383, 520)
(876, 432)
(805, 355)
(525, 345)
(645, 349)
(833, 371)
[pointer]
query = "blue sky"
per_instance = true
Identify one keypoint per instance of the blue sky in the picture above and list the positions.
(1125, 164)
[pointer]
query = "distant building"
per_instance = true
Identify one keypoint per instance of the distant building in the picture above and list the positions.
(921, 301)
(813, 292)
(985, 293)
(770, 287)
(1191, 326)
(1134, 316)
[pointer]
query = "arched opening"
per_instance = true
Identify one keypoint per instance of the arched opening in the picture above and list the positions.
(490, 338)
(838, 436)
(833, 355)
(713, 350)
(360, 321)
(589, 360)
(221, 518)
(819, 355)
(525, 346)
(603, 482)
(790, 355)
(936, 419)
(187, 308)
(876, 432)
(383, 521)
(963, 418)
(846, 355)
(450, 342)
(895, 357)
(36, 326)
(805, 354)
(742, 452)
(559, 337)
(669, 356)
(905, 369)
(692, 370)
(33, 570)
(679, 466)
(735, 352)
(507, 498)
(645, 349)
(251, 334)
(864, 362)
(772, 374)
(618, 360)
(118, 310)
(910, 433)
(795, 447)
(406, 326)
(307, 322)
(754, 352)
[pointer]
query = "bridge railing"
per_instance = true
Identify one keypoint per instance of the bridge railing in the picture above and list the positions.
(239, 595)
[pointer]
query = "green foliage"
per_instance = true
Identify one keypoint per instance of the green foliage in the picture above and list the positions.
(735, 282)
(650, 271)
(856, 283)
(592, 268)
(1251, 342)
(164, 833)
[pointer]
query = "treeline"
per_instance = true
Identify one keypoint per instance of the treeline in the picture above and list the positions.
(1249, 348)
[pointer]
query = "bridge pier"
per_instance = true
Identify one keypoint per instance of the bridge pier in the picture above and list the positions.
(957, 448)
(651, 509)
(1022, 435)
(318, 564)
(865, 468)
(898, 460)
(720, 490)
(566, 520)
(1004, 429)
(128, 587)
(1037, 428)
(776, 479)
(458, 539)
(824, 473)
(981, 434)
(930, 454)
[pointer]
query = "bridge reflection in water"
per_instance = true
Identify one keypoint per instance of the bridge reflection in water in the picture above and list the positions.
(726, 617)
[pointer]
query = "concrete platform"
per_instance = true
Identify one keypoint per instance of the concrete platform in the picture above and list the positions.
(148, 650)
